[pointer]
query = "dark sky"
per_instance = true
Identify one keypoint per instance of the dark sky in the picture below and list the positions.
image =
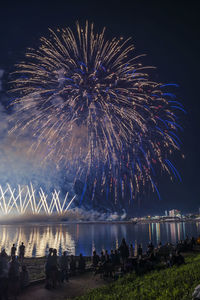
(167, 31)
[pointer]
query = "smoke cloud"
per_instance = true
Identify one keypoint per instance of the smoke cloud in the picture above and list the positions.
(17, 165)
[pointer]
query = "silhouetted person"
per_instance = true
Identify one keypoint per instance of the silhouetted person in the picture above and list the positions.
(48, 267)
(3, 275)
(21, 252)
(150, 248)
(95, 259)
(116, 258)
(81, 263)
(24, 277)
(192, 242)
(107, 257)
(72, 265)
(131, 250)
(112, 257)
(179, 259)
(139, 251)
(124, 251)
(13, 250)
(102, 258)
(4, 254)
(13, 276)
(54, 268)
(54, 260)
(64, 267)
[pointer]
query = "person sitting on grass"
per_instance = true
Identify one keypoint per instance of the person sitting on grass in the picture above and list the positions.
(179, 259)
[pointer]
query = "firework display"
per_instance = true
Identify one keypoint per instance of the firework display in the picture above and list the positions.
(26, 200)
(89, 102)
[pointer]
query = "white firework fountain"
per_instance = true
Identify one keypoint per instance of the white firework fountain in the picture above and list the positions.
(26, 200)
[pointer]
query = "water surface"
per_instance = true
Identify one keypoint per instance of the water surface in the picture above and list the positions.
(84, 238)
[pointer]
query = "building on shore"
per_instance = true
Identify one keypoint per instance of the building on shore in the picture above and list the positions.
(174, 213)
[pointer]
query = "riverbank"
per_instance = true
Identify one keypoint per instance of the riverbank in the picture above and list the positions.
(164, 284)
(161, 284)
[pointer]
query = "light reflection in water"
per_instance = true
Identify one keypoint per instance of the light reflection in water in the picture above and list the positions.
(38, 239)
(149, 231)
(158, 232)
(173, 232)
(179, 228)
(84, 238)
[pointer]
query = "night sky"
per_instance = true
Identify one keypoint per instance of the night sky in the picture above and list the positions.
(168, 32)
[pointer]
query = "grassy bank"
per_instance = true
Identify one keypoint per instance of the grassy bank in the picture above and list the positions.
(170, 283)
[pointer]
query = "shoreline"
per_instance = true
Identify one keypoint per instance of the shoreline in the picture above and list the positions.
(92, 222)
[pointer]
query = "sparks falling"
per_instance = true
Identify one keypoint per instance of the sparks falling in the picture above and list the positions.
(27, 200)
(89, 101)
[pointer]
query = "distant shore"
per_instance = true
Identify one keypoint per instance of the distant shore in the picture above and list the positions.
(59, 220)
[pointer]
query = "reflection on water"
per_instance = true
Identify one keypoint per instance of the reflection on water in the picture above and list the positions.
(84, 238)
(37, 239)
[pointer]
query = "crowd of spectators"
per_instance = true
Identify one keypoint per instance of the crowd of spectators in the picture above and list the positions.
(14, 275)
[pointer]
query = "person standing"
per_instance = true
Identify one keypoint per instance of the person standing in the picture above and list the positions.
(131, 250)
(3, 275)
(48, 266)
(139, 251)
(21, 252)
(102, 258)
(64, 267)
(124, 251)
(72, 265)
(14, 276)
(81, 263)
(13, 251)
(95, 259)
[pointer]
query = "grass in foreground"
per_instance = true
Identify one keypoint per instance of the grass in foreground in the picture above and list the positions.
(171, 283)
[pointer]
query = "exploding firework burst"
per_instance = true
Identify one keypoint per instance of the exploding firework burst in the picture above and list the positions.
(27, 200)
(92, 106)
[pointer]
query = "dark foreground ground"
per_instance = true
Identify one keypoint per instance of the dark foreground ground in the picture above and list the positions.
(77, 286)
(175, 283)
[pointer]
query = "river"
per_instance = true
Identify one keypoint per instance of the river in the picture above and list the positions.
(84, 238)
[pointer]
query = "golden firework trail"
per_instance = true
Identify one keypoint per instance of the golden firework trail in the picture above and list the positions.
(26, 199)
(90, 104)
